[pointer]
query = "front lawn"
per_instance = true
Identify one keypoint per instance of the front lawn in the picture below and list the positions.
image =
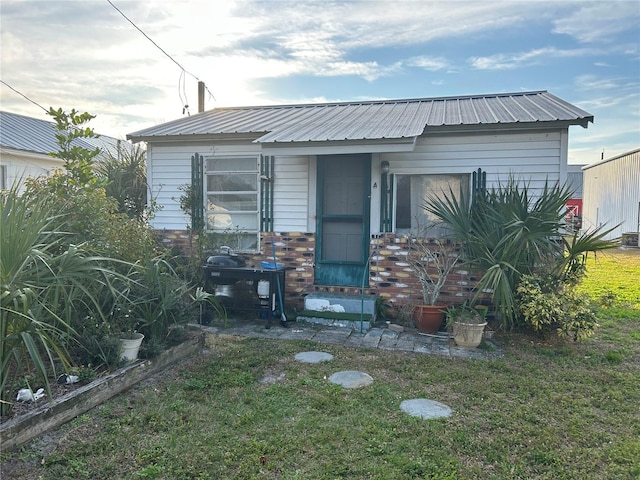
(547, 409)
(614, 275)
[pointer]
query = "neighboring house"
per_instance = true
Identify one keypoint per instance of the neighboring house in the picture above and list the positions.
(574, 205)
(337, 185)
(612, 194)
(25, 144)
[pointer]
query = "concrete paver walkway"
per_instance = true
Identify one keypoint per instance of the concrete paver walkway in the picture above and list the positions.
(381, 338)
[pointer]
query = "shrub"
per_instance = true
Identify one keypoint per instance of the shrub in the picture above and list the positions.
(545, 306)
(76, 271)
(507, 232)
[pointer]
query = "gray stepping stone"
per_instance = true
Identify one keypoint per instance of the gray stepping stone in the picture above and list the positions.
(314, 357)
(351, 379)
(423, 408)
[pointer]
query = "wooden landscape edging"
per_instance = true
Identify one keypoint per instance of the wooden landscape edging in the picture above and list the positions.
(51, 415)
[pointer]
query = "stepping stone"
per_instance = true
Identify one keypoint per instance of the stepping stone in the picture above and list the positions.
(351, 379)
(423, 408)
(313, 357)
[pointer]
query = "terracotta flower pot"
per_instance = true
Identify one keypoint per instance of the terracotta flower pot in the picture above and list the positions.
(428, 318)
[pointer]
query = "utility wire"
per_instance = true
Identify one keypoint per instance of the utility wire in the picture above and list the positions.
(185, 102)
(184, 70)
(27, 98)
(23, 95)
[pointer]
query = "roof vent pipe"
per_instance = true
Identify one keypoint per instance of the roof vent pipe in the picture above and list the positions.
(200, 97)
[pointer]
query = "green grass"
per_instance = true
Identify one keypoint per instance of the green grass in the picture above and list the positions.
(247, 410)
(614, 277)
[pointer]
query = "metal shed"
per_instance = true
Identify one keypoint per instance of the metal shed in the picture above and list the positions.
(611, 194)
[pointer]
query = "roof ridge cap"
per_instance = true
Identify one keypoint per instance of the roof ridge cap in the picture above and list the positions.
(376, 101)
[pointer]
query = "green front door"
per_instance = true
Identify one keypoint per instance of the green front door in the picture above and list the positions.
(343, 219)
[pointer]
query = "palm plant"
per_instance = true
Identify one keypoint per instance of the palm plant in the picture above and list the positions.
(508, 232)
(126, 180)
(41, 277)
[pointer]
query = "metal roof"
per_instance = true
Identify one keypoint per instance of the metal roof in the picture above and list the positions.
(369, 120)
(38, 136)
(635, 151)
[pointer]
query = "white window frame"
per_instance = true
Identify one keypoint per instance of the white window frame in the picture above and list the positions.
(241, 238)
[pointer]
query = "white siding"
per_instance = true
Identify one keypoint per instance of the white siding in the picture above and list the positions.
(20, 165)
(169, 167)
(534, 157)
(291, 194)
(611, 194)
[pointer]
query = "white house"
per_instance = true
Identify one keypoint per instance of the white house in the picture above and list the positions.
(25, 144)
(337, 184)
(611, 194)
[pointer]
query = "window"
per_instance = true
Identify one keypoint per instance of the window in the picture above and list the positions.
(232, 200)
(411, 192)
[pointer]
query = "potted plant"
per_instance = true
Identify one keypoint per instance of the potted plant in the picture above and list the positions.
(432, 259)
(130, 342)
(124, 325)
(467, 324)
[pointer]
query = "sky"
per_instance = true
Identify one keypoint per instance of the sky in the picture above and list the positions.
(86, 55)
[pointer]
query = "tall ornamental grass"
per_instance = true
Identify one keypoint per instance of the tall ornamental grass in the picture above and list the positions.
(41, 277)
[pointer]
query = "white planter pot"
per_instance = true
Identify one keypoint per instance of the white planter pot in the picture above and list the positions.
(131, 346)
(468, 335)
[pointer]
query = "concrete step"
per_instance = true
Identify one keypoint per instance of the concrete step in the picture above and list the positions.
(355, 311)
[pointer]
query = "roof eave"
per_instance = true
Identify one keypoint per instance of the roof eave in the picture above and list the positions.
(196, 137)
(406, 144)
(537, 125)
(8, 150)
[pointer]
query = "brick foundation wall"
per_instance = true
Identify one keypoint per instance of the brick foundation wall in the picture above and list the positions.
(390, 275)
(296, 251)
(176, 239)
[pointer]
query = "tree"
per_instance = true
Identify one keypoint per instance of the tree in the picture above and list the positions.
(78, 159)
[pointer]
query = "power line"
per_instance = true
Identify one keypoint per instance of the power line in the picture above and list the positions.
(184, 70)
(23, 95)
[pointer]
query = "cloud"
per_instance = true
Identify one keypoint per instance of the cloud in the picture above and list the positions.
(432, 64)
(504, 61)
(617, 85)
(278, 39)
(331, 31)
(599, 21)
(85, 55)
